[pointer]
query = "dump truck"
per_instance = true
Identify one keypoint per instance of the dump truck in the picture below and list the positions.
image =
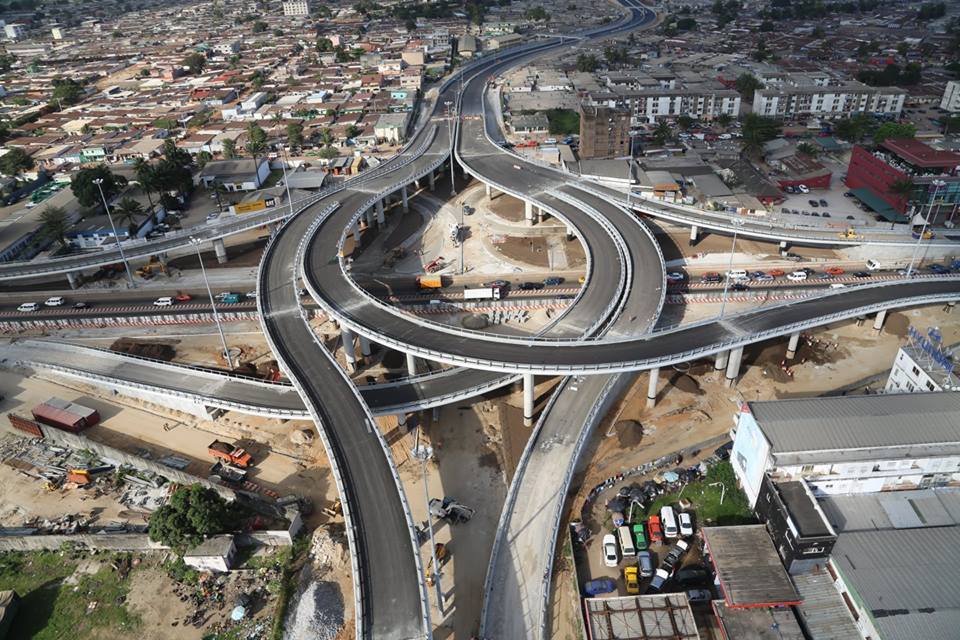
(430, 282)
(230, 454)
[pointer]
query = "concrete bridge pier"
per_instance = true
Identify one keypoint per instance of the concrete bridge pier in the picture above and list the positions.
(950, 306)
(694, 235)
(220, 250)
(74, 278)
(721, 362)
(416, 183)
(402, 420)
(349, 354)
(792, 345)
(411, 365)
(488, 191)
(405, 198)
(433, 181)
(368, 214)
(528, 211)
(571, 233)
(528, 388)
(733, 366)
(381, 218)
(365, 349)
(540, 215)
(652, 387)
(878, 321)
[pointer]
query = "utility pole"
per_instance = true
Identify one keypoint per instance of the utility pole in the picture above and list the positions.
(116, 236)
(216, 315)
(726, 276)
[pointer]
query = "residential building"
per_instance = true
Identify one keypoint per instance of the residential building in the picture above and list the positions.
(800, 95)
(604, 131)
(850, 444)
(14, 30)
(951, 97)
(665, 94)
(296, 7)
(57, 33)
(922, 366)
(872, 176)
(799, 528)
(214, 554)
(392, 127)
(534, 123)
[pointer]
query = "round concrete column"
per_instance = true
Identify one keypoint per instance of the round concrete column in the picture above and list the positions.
(792, 345)
(220, 250)
(528, 388)
(652, 387)
(733, 365)
(348, 349)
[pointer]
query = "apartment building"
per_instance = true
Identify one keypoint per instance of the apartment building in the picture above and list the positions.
(798, 95)
(604, 132)
(922, 365)
(296, 8)
(850, 444)
(951, 97)
(658, 95)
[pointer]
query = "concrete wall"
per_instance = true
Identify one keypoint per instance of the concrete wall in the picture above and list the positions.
(127, 541)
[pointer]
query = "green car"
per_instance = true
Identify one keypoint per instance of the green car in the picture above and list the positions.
(640, 536)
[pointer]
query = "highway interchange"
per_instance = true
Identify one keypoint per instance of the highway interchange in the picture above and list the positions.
(606, 332)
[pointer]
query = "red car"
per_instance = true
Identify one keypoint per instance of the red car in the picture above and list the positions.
(183, 297)
(835, 271)
(655, 529)
(776, 273)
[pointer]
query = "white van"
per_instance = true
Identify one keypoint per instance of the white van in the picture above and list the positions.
(797, 276)
(669, 522)
(873, 265)
(737, 274)
(625, 538)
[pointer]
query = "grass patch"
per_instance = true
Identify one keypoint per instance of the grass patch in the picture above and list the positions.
(705, 498)
(563, 121)
(51, 610)
(272, 179)
(293, 558)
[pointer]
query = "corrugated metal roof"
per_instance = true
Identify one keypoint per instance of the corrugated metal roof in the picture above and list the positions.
(747, 564)
(859, 422)
(823, 611)
(641, 617)
(909, 579)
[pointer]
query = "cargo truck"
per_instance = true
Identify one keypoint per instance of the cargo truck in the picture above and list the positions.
(430, 282)
(229, 453)
(482, 293)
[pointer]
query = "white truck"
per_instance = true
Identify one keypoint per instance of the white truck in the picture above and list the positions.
(482, 293)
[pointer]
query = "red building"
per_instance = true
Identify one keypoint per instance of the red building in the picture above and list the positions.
(871, 175)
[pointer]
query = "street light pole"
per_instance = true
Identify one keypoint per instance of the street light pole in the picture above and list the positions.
(422, 456)
(123, 258)
(726, 276)
(916, 248)
(453, 188)
(286, 183)
(216, 315)
(463, 267)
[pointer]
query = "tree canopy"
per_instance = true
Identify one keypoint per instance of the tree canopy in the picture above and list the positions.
(746, 84)
(14, 161)
(67, 91)
(86, 191)
(195, 62)
(192, 514)
(893, 130)
(757, 130)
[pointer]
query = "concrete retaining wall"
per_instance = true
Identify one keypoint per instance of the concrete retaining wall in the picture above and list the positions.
(127, 541)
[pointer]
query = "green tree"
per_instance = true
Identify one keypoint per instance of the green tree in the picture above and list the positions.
(951, 124)
(328, 153)
(256, 134)
(855, 128)
(893, 130)
(746, 84)
(6, 62)
(587, 62)
(192, 514)
(684, 122)
(175, 154)
(324, 45)
(724, 120)
(229, 149)
(259, 26)
(14, 161)
(67, 91)
(54, 224)
(756, 131)
(255, 146)
(87, 193)
(353, 131)
(662, 134)
(325, 136)
(295, 135)
(902, 187)
(808, 149)
(195, 62)
(128, 211)
(146, 177)
(203, 158)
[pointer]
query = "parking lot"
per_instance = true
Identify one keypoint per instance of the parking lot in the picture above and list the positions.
(838, 206)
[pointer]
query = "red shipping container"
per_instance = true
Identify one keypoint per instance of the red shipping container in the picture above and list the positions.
(65, 415)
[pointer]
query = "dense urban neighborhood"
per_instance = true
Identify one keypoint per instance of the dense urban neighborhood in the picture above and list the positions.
(480, 319)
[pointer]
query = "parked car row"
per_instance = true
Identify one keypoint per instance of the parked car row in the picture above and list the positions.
(54, 301)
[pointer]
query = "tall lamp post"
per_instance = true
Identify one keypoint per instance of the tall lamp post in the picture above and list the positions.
(421, 454)
(99, 183)
(916, 248)
(216, 315)
(286, 183)
(453, 188)
(726, 277)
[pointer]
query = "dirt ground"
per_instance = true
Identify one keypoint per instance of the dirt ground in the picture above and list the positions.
(695, 408)
(531, 250)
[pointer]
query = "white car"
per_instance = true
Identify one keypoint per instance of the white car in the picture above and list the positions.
(797, 276)
(27, 307)
(55, 301)
(611, 553)
(803, 188)
(686, 524)
(165, 301)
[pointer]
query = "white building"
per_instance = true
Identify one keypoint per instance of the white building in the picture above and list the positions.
(215, 554)
(296, 8)
(916, 368)
(391, 127)
(661, 94)
(14, 31)
(850, 444)
(800, 95)
(951, 97)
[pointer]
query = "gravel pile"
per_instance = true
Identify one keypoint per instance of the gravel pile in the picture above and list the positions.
(317, 610)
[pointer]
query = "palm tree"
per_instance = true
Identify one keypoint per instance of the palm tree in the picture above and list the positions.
(54, 223)
(128, 211)
(147, 178)
(662, 133)
(902, 187)
(218, 190)
(255, 148)
(724, 120)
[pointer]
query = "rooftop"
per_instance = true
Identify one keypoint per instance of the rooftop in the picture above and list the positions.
(919, 154)
(859, 422)
(893, 510)
(758, 623)
(823, 611)
(216, 546)
(654, 617)
(803, 509)
(908, 579)
(748, 567)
